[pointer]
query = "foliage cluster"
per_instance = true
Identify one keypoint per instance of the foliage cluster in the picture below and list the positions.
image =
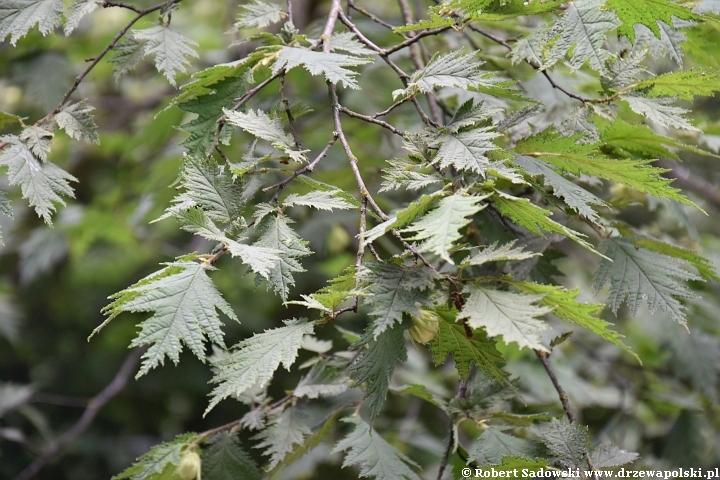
(455, 212)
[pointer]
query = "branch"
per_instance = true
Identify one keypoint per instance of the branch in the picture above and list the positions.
(94, 405)
(685, 178)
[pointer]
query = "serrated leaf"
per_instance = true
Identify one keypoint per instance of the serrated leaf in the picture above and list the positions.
(584, 27)
(637, 139)
(419, 391)
(636, 273)
(465, 150)
(660, 110)
(566, 441)
(17, 17)
(170, 48)
(440, 228)
(492, 445)
(498, 253)
(402, 174)
(452, 339)
(494, 10)
(566, 155)
(703, 265)
(276, 233)
(648, 13)
(512, 315)
(366, 449)
(38, 138)
(623, 71)
(209, 186)
(259, 14)
(77, 122)
(574, 196)
(184, 302)
(376, 363)
(157, 459)
(611, 456)
(435, 21)
(685, 84)
(453, 69)
(226, 460)
(333, 66)
(285, 431)
(393, 290)
(208, 107)
(323, 380)
(254, 360)
(319, 199)
(261, 125)
(127, 55)
(401, 218)
(40, 183)
(76, 12)
(534, 218)
(564, 305)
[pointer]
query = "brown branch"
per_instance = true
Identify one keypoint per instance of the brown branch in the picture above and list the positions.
(410, 41)
(286, 103)
(94, 405)
(685, 178)
(372, 119)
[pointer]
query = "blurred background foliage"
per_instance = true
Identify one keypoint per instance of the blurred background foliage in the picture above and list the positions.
(54, 281)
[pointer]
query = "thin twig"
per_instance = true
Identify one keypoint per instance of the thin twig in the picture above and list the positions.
(94, 405)
(286, 103)
(372, 119)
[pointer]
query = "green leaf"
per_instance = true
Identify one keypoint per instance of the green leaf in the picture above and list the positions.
(17, 17)
(308, 444)
(636, 273)
(333, 66)
(259, 14)
(276, 234)
(209, 108)
(318, 199)
(419, 391)
(453, 69)
(660, 110)
(261, 125)
(534, 218)
(648, 13)
(566, 155)
(440, 228)
(607, 455)
(575, 196)
(685, 84)
(209, 186)
(376, 364)
(696, 357)
(8, 119)
(76, 12)
(40, 183)
(254, 360)
(38, 139)
(394, 290)
(492, 445)
(566, 441)
(323, 380)
(703, 265)
(185, 303)
(465, 150)
(158, 459)
(402, 174)
(349, 43)
(495, 10)
(512, 315)
(77, 122)
(226, 460)
(583, 31)
(452, 338)
(564, 305)
(366, 449)
(402, 217)
(435, 21)
(498, 253)
(170, 48)
(127, 55)
(284, 432)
